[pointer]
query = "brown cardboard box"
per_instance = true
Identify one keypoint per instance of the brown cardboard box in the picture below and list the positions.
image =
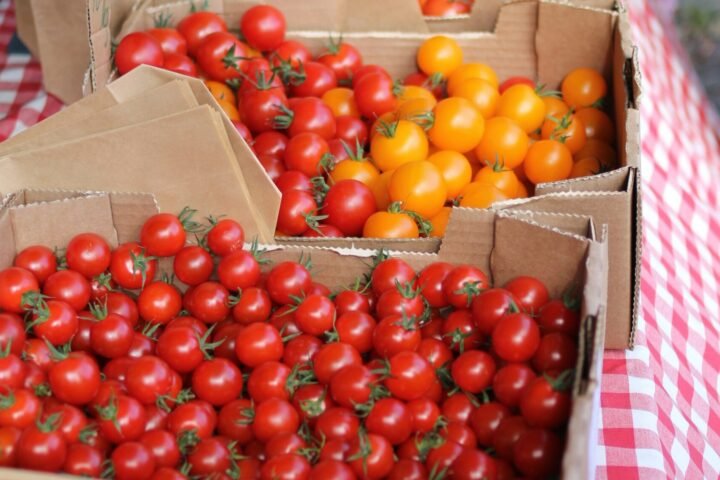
(567, 252)
(56, 34)
(520, 37)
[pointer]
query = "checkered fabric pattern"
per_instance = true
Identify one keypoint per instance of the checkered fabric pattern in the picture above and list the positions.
(660, 414)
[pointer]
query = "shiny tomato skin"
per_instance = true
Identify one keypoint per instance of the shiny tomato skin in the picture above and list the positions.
(132, 461)
(430, 281)
(389, 271)
(272, 417)
(217, 381)
(88, 254)
(128, 273)
(410, 376)
(198, 25)
(225, 237)
(135, 49)
(531, 293)
(516, 337)
(318, 80)
(343, 59)
(147, 378)
(490, 306)
(41, 450)
(193, 265)
(333, 357)
(37, 259)
(235, 421)
(69, 286)
(379, 460)
(510, 383)
(195, 415)
(14, 283)
(287, 280)
(75, 380)
(258, 343)
(170, 40)
(263, 26)
(348, 204)
(163, 447)
(83, 460)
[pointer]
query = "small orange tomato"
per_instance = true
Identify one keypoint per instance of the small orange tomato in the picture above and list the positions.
(522, 191)
(503, 179)
(481, 94)
(439, 55)
(414, 92)
(597, 124)
(567, 129)
(361, 170)
(471, 70)
(548, 161)
(230, 109)
(480, 195)
(555, 107)
(420, 188)
(417, 110)
(455, 170)
(523, 105)
(585, 167)
(583, 87)
(380, 188)
(440, 221)
(390, 225)
(398, 143)
(503, 140)
(458, 125)
(387, 117)
(341, 101)
(221, 91)
(605, 154)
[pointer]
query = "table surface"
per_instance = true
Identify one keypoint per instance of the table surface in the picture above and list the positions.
(660, 415)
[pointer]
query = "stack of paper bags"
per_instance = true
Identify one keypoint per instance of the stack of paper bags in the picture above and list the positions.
(151, 131)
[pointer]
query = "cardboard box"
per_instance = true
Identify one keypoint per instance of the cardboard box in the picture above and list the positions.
(561, 250)
(520, 37)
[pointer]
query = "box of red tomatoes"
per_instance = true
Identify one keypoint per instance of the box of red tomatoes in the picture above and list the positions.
(554, 125)
(500, 378)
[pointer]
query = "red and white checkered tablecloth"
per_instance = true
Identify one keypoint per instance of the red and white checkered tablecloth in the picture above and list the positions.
(660, 408)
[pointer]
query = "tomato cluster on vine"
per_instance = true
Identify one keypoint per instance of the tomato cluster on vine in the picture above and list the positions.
(163, 359)
(355, 152)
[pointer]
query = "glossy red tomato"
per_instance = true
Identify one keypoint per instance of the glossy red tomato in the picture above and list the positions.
(112, 336)
(507, 435)
(193, 265)
(180, 64)
(538, 452)
(239, 270)
(531, 293)
(272, 417)
(298, 212)
(352, 385)
(348, 204)
(135, 49)
(308, 114)
(374, 95)
(510, 383)
(270, 143)
(351, 130)
(195, 415)
(332, 469)
(159, 302)
(15, 282)
(396, 333)
(473, 464)
(430, 281)
(435, 351)
(342, 58)
(271, 380)
(132, 461)
(333, 357)
(293, 180)
(235, 421)
(373, 456)
(131, 266)
(148, 378)
(442, 457)
(312, 79)
(485, 419)
(263, 26)
(19, 408)
(287, 280)
(410, 376)
(473, 371)
(210, 456)
(209, 302)
(391, 419)
(284, 444)
(170, 40)
(254, 305)
(42, 447)
(315, 315)
(388, 272)
(459, 332)
(558, 316)
(69, 286)
(38, 260)
(217, 381)
(258, 343)
(75, 379)
(457, 407)
(83, 460)
(163, 447)
(12, 333)
(304, 153)
(463, 284)
(490, 306)
(88, 254)
(122, 419)
(356, 328)
(198, 25)
(311, 401)
(225, 237)
(516, 337)
(546, 401)
(557, 352)
(260, 107)
(55, 322)
(292, 52)
(163, 234)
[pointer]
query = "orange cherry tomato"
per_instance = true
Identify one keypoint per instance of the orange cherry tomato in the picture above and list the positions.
(585, 167)
(605, 154)
(548, 161)
(583, 87)
(414, 92)
(387, 117)
(515, 81)
(439, 222)
(503, 179)
(417, 110)
(555, 107)
(523, 191)
(230, 109)
(221, 91)
(390, 225)
(420, 188)
(341, 101)
(455, 170)
(480, 195)
(380, 188)
(523, 105)
(597, 124)
(361, 170)
(503, 141)
(483, 95)
(458, 125)
(468, 71)
(439, 55)
(398, 143)
(567, 129)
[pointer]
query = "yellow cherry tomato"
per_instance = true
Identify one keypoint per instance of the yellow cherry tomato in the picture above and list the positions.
(522, 191)
(414, 92)
(398, 143)
(341, 101)
(555, 107)
(503, 141)
(439, 55)
(455, 170)
(471, 70)
(361, 170)
(439, 222)
(523, 105)
(230, 109)
(387, 117)
(417, 110)
(503, 179)
(419, 187)
(458, 125)
(567, 129)
(605, 154)
(585, 167)
(390, 225)
(583, 87)
(548, 161)
(481, 94)
(221, 91)
(380, 188)
(597, 123)
(480, 195)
